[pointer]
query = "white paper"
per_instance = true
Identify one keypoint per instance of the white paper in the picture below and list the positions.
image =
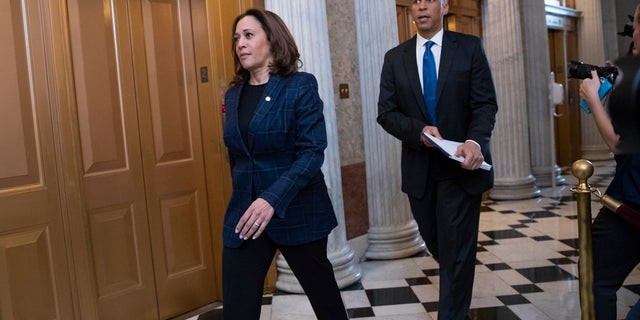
(449, 148)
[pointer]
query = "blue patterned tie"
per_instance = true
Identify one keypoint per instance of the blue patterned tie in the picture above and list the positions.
(430, 81)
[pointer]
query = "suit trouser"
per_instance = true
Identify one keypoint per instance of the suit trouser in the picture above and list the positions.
(616, 251)
(245, 268)
(448, 219)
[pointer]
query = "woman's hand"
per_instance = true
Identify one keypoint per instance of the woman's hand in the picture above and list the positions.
(472, 155)
(589, 92)
(255, 219)
(589, 88)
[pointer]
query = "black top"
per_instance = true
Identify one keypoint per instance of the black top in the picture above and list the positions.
(625, 185)
(249, 100)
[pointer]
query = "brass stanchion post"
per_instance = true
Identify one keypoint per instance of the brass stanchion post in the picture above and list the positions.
(583, 169)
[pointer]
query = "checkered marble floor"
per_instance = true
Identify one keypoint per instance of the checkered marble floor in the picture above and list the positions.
(526, 268)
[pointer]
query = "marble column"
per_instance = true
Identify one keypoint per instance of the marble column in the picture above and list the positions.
(307, 21)
(504, 45)
(540, 107)
(393, 233)
(591, 50)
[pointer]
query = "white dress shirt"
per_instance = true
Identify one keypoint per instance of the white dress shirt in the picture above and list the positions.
(436, 49)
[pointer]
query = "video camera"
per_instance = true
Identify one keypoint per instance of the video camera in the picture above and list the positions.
(607, 75)
(580, 70)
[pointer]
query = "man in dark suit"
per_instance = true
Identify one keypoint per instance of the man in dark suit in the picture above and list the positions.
(444, 195)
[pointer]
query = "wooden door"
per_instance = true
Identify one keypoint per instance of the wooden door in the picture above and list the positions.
(172, 154)
(143, 231)
(107, 202)
(465, 17)
(567, 128)
(406, 27)
(34, 275)
(110, 224)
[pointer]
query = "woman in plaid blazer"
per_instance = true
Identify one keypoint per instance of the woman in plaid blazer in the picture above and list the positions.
(275, 134)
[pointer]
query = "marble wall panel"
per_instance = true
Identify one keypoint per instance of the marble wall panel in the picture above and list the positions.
(344, 62)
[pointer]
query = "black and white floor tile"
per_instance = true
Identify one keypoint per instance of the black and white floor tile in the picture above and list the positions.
(526, 269)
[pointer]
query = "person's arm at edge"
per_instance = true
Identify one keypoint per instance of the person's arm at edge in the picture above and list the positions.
(589, 92)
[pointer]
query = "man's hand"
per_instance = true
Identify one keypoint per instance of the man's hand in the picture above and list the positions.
(431, 131)
(472, 155)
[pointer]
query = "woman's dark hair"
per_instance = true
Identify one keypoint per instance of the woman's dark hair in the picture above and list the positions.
(286, 58)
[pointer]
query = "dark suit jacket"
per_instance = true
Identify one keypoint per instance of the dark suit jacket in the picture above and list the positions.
(282, 162)
(466, 108)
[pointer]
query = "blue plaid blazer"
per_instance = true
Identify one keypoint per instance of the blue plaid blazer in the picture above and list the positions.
(282, 161)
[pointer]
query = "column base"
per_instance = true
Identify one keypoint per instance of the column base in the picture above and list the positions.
(514, 189)
(394, 242)
(543, 176)
(596, 152)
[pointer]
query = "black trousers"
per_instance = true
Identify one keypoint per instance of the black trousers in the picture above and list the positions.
(616, 251)
(245, 268)
(448, 219)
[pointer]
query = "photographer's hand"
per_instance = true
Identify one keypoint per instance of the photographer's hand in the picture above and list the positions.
(589, 93)
(589, 89)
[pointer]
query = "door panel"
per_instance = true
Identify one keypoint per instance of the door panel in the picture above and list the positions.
(33, 263)
(567, 127)
(25, 269)
(114, 223)
(173, 157)
(212, 22)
